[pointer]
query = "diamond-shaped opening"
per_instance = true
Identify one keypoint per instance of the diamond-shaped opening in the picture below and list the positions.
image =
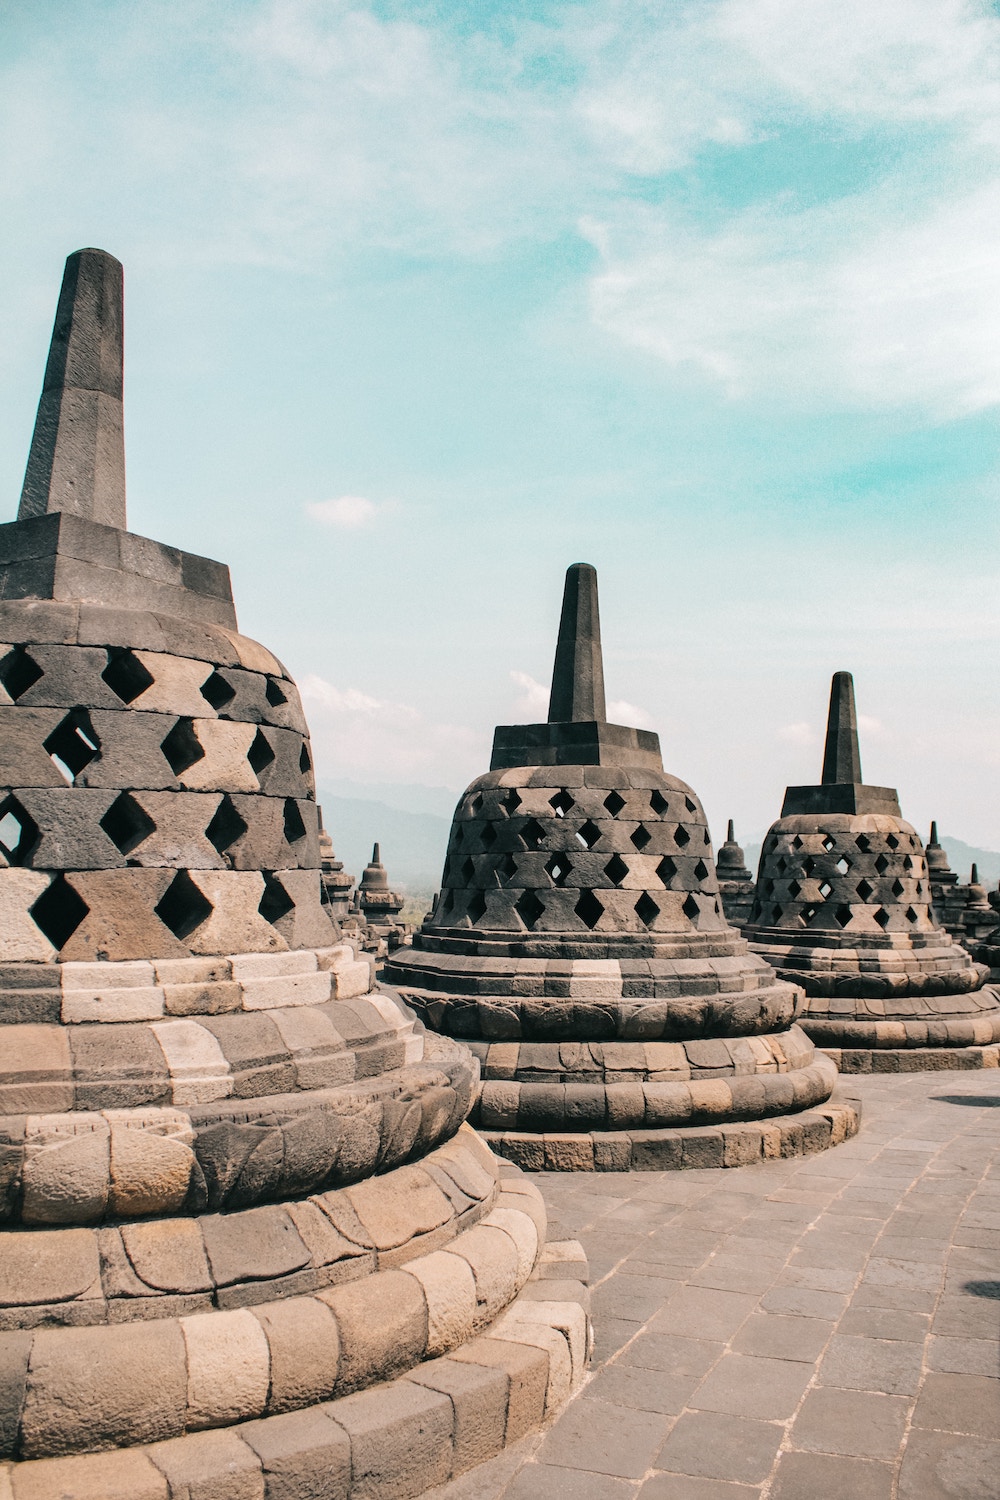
(882, 864)
(589, 909)
(843, 915)
(863, 843)
(897, 888)
(843, 865)
(826, 889)
(260, 753)
(127, 824)
(658, 802)
(557, 868)
(920, 887)
(782, 865)
(829, 843)
(126, 676)
(226, 826)
(808, 866)
(58, 912)
(614, 803)
(701, 870)
(510, 802)
(681, 836)
(865, 890)
(908, 862)
(775, 915)
(532, 834)
(295, 828)
(691, 909)
(476, 805)
(588, 835)
(646, 909)
(488, 835)
(616, 869)
(217, 691)
(73, 744)
(794, 890)
(18, 832)
(666, 869)
(892, 841)
(641, 837)
(275, 902)
(468, 870)
(911, 915)
(181, 747)
(808, 912)
(706, 837)
(692, 807)
(882, 917)
(507, 868)
(457, 834)
(476, 907)
(768, 888)
(305, 761)
(529, 908)
(796, 842)
(275, 693)
(183, 907)
(447, 903)
(19, 672)
(561, 803)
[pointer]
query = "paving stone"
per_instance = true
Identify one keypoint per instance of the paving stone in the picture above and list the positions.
(854, 1423)
(608, 1439)
(556, 1483)
(700, 1312)
(942, 1466)
(960, 1403)
(642, 1389)
(751, 1386)
(866, 1364)
(713, 1446)
(805, 1476)
(780, 1337)
(684, 1487)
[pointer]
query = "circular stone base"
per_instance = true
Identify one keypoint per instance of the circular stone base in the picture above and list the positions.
(735, 1145)
(912, 1059)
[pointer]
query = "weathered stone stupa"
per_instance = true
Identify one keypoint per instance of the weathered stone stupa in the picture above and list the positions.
(247, 1244)
(377, 902)
(335, 882)
(843, 908)
(735, 880)
(578, 945)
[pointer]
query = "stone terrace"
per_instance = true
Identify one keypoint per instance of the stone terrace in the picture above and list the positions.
(818, 1329)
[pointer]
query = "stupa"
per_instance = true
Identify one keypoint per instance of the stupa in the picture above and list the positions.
(335, 881)
(735, 880)
(843, 908)
(248, 1246)
(579, 947)
(378, 904)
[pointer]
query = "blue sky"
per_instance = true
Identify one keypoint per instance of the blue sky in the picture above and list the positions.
(426, 301)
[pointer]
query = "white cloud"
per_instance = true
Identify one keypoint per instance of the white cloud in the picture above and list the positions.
(349, 512)
(532, 704)
(798, 734)
(621, 712)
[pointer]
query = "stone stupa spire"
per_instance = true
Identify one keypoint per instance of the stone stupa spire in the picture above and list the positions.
(77, 458)
(842, 758)
(578, 673)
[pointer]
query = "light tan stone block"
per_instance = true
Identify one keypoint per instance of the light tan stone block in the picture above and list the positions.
(667, 1057)
(214, 998)
(234, 921)
(305, 1351)
(350, 981)
(396, 1207)
(124, 1475)
(450, 1290)
(209, 1466)
(176, 685)
(128, 975)
(192, 971)
(54, 1265)
(224, 767)
(249, 966)
(290, 989)
(522, 1231)
(228, 1367)
(168, 1254)
(37, 1069)
(711, 1096)
(112, 1004)
(554, 1345)
(21, 941)
(67, 1180)
(493, 1257)
(150, 1173)
(198, 1069)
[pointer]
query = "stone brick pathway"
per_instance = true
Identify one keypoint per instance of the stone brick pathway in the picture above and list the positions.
(825, 1328)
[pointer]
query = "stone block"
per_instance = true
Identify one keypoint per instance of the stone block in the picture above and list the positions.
(209, 1466)
(702, 1148)
(306, 924)
(283, 776)
(351, 980)
(395, 1209)
(112, 1004)
(120, 922)
(48, 1266)
(450, 1292)
(255, 1053)
(612, 1152)
(527, 1370)
(494, 1261)
(521, 1228)
(251, 1246)
(235, 923)
(553, 1344)
(656, 1150)
(382, 1323)
(569, 1153)
(304, 1454)
(214, 998)
(178, 840)
(286, 990)
(130, 752)
(305, 1351)
(14, 1351)
(176, 685)
(168, 1255)
(150, 1172)
(478, 1395)
(103, 1387)
(66, 1178)
(401, 1440)
(24, 761)
(228, 1365)
(127, 1475)
(37, 1070)
(70, 836)
(198, 1069)
(21, 939)
(224, 766)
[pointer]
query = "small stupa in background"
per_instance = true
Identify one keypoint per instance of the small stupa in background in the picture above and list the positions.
(843, 907)
(337, 884)
(736, 883)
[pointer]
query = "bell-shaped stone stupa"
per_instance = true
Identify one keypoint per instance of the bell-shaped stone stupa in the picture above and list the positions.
(735, 880)
(242, 1223)
(578, 945)
(843, 908)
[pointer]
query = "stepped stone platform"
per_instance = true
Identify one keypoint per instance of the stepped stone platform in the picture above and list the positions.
(580, 949)
(248, 1245)
(842, 907)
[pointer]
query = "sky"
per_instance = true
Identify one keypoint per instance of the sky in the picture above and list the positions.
(426, 301)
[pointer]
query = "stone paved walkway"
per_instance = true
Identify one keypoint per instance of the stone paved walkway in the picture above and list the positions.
(825, 1328)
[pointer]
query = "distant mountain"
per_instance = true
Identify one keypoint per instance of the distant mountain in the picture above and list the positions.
(413, 844)
(961, 857)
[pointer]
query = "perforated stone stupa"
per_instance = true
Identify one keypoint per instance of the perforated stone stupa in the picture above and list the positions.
(248, 1247)
(579, 947)
(735, 880)
(843, 908)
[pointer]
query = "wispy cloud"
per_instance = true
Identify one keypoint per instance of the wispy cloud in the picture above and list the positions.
(532, 703)
(348, 512)
(801, 733)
